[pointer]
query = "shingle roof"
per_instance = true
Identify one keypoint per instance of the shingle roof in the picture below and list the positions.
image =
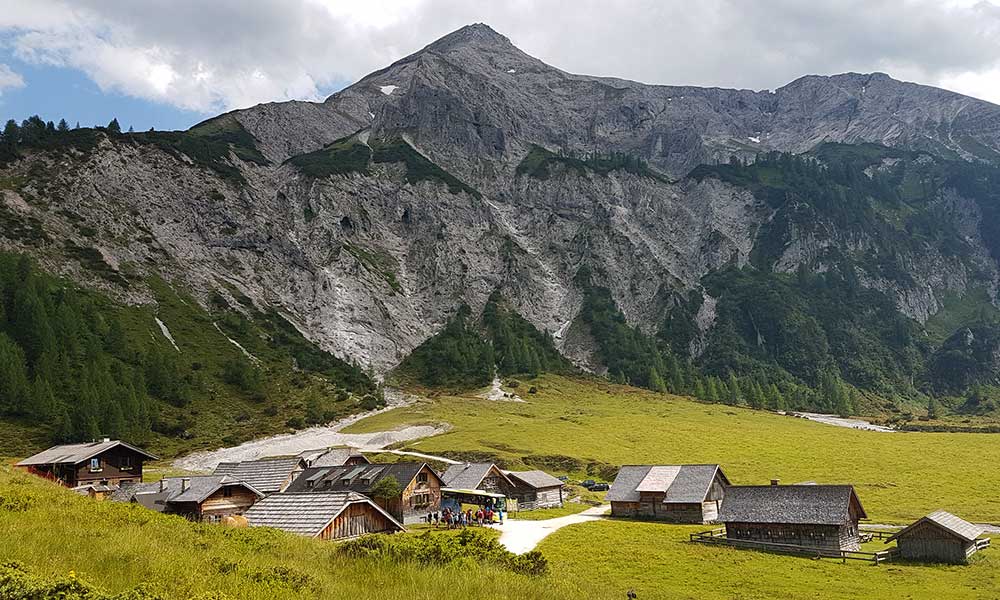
(336, 457)
(306, 513)
(535, 479)
(77, 453)
(359, 478)
(267, 475)
(681, 484)
(947, 521)
(156, 495)
(467, 476)
(800, 504)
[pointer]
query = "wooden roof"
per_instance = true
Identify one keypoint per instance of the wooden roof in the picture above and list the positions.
(267, 474)
(944, 521)
(78, 453)
(535, 479)
(680, 484)
(790, 504)
(468, 476)
(307, 513)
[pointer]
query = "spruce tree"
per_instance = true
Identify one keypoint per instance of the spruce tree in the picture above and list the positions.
(735, 393)
(63, 126)
(114, 127)
(655, 381)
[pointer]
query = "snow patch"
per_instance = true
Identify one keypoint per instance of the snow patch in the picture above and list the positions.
(512, 70)
(754, 139)
(497, 394)
(388, 89)
(166, 333)
(371, 115)
(245, 352)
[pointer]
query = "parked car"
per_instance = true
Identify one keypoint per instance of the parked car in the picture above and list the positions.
(588, 483)
(599, 487)
(563, 478)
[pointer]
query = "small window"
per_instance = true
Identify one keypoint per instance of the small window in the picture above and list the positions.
(422, 477)
(227, 492)
(95, 464)
(126, 463)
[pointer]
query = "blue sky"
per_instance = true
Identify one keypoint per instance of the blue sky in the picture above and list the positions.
(169, 64)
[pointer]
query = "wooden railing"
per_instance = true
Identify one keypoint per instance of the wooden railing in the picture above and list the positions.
(718, 536)
(983, 543)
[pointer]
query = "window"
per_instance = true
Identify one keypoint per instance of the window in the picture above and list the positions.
(227, 492)
(422, 477)
(126, 463)
(95, 464)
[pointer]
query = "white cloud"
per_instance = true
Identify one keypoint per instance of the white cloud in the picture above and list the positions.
(9, 79)
(211, 56)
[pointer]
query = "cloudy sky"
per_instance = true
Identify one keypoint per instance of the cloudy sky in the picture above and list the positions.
(170, 63)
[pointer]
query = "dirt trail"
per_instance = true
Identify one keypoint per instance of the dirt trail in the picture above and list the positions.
(313, 438)
(842, 422)
(523, 536)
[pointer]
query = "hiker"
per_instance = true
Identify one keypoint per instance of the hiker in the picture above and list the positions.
(435, 519)
(500, 513)
(489, 516)
(479, 517)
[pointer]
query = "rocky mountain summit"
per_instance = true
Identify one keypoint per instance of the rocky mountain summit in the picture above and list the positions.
(470, 168)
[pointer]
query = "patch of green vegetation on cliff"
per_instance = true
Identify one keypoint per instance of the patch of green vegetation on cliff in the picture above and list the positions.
(418, 168)
(538, 162)
(344, 156)
(379, 263)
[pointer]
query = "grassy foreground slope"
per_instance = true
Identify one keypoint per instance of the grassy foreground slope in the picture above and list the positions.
(572, 422)
(119, 548)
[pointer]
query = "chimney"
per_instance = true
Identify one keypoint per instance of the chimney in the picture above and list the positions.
(106, 439)
(775, 482)
(185, 484)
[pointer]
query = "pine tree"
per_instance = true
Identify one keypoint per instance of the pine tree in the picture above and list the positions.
(63, 126)
(699, 389)
(655, 381)
(932, 408)
(114, 127)
(711, 390)
(735, 393)
(14, 389)
(775, 400)
(677, 383)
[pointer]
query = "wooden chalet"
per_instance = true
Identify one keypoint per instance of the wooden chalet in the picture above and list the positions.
(420, 486)
(811, 516)
(207, 498)
(266, 475)
(323, 515)
(939, 537)
(108, 462)
(535, 489)
(486, 477)
(673, 493)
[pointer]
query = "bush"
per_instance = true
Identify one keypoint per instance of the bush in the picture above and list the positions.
(532, 390)
(296, 422)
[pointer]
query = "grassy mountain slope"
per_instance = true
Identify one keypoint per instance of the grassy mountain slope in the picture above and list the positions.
(71, 543)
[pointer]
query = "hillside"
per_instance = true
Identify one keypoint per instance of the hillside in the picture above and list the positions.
(156, 556)
(830, 245)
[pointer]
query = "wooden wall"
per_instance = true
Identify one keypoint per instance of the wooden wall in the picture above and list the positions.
(929, 543)
(531, 499)
(418, 499)
(357, 519)
(652, 507)
(218, 505)
(111, 468)
(831, 537)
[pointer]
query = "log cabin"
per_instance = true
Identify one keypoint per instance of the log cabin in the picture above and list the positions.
(206, 498)
(811, 516)
(111, 462)
(323, 515)
(535, 489)
(672, 493)
(267, 475)
(939, 537)
(419, 486)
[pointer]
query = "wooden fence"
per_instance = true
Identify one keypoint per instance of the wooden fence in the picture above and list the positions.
(718, 536)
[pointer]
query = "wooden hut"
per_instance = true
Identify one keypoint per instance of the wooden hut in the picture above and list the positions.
(939, 537)
(207, 498)
(486, 477)
(673, 493)
(811, 516)
(419, 486)
(535, 489)
(110, 462)
(323, 515)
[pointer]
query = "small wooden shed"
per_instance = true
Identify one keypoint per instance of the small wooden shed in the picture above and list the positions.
(323, 515)
(939, 537)
(535, 489)
(673, 493)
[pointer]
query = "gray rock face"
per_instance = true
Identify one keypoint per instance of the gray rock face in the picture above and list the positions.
(369, 266)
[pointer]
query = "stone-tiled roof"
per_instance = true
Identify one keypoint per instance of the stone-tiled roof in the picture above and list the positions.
(355, 478)
(268, 475)
(156, 495)
(798, 504)
(77, 453)
(306, 513)
(337, 457)
(535, 479)
(946, 521)
(681, 484)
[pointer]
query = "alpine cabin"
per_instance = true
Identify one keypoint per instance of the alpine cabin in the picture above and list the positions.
(323, 515)
(107, 462)
(535, 489)
(939, 537)
(672, 493)
(207, 498)
(811, 516)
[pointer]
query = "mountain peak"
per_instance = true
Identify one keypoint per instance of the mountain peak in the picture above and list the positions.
(477, 34)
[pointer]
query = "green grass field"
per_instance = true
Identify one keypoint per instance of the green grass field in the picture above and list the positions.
(120, 547)
(899, 476)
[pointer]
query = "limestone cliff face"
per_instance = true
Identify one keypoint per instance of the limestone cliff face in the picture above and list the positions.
(370, 265)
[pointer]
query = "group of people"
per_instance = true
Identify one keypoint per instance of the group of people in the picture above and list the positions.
(454, 519)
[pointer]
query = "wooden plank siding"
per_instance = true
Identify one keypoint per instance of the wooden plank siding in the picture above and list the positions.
(226, 502)
(117, 465)
(421, 496)
(833, 537)
(355, 520)
(531, 499)
(928, 543)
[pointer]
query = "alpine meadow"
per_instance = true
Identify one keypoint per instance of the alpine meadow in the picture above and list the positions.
(477, 327)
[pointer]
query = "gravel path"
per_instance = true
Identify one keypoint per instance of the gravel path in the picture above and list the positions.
(313, 438)
(842, 422)
(523, 536)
